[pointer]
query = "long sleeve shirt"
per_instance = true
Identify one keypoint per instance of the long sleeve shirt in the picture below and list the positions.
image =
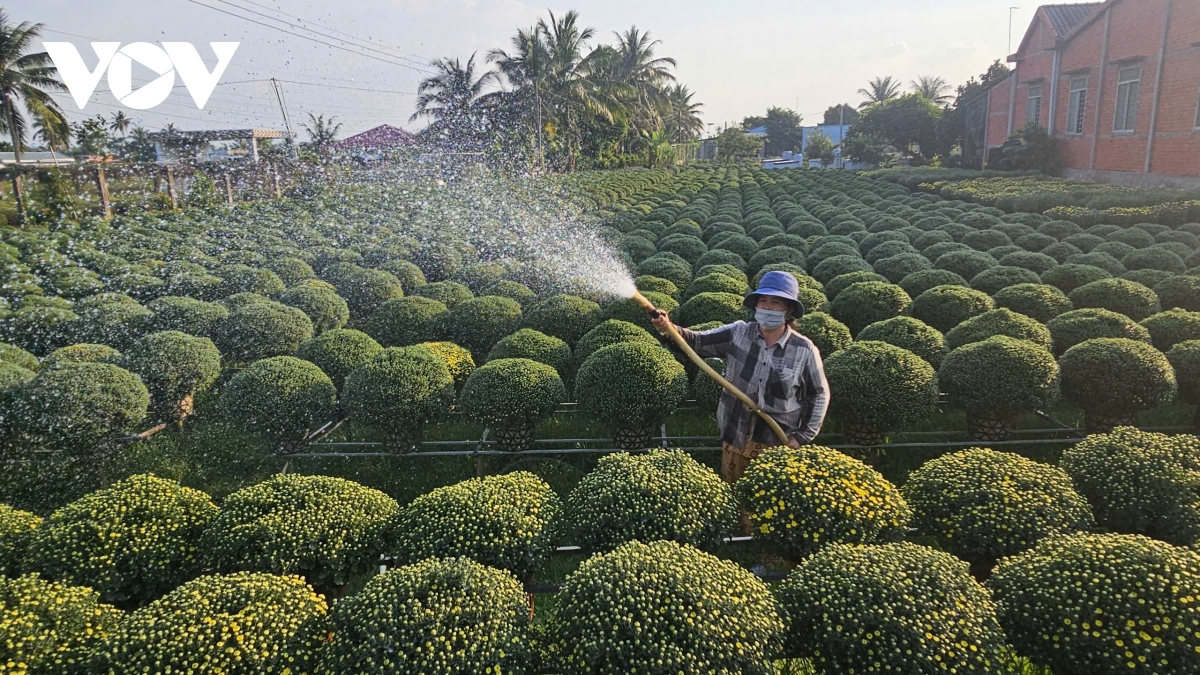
(786, 379)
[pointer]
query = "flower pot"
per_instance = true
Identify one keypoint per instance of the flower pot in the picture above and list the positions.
(514, 437)
(1102, 424)
(634, 438)
(861, 434)
(989, 426)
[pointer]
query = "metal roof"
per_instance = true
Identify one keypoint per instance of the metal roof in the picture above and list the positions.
(1065, 17)
(220, 134)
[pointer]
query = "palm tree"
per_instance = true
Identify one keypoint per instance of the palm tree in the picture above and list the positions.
(683, 115)
(932, 87)
(450, 97)
(52, 131)
(26, 80)
(572, 87)
(526, 68)
(322, 133)
(879, 90)
(120, 123)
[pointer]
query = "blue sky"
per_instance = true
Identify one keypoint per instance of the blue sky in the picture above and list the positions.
(739, 58)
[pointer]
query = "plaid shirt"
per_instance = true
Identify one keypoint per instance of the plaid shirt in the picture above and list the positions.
(787, 380)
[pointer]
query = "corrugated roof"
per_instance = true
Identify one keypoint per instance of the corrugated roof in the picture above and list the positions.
(1065, 17)
(382, 136)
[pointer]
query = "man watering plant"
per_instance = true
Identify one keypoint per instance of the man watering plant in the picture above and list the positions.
(771, 362)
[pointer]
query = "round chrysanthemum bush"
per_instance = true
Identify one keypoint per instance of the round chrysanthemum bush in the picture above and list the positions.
(661, 495)
(899, 608)
(398, 391)
(319, 301)
(458, 359)
(501, 521)
(829, 335)
(510, 396)
(876, 387)
(908, 333)
(131, 542)
(630, 387)
(944, 307)
(75, 406)
(868, 302)
(798, 500)
(566, 317)
(1101, 604)
(918, 282)
(632, 312)
(323, 528)
(50, 628)
(716, 283)
(283, 398)
(657, 285)
(998, 322)
(610, 332)
(438, 617)
(407, 321)
(175, 367)
(665, 607)
(187, 315)
(1130, 298)
(1171, 327)
(479, 323)
(338, 351)
(248, 623)
(1179, 291)
(1040, 302)
(1081, 325)
(81, 353)
(1113, 379)
(983, 505)
(16, 530)
(1185, 359)
(528, 343)
(706, 307)
(262, 329)
(1140, 482)
(449, 293)
(996, 379)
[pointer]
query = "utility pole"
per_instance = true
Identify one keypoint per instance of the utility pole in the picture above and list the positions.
(1010, 18)
(842, 135)
(287, 121)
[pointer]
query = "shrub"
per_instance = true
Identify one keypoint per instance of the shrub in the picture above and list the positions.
(944, 307)
(891, 608)
(995, 279)
(797, 273)
(1172, 327)
(716, 283)
(877, 387)
(130, 542)
(634, 585)
(836, 285)
(1140, 482)
(908, 333)
(839, 265)
(364, 289)
(775, 255)
(565, 317)
(706, 307)
(479, 323)
(81, 353)
(740, 244)
(398, 391)
(1184, 357)
(630, 311)
(662, 495)
(449, 293)
(610, 332)
(800, 500)
(500, 521)
(458, 360)
(827, 333)
(174, 367)
(918, 282)
(898, 267)
(407, 321)
(630, 387)
(999, 377)
(325, 529)
(719, 256)
(17, 356)
(277, 623)
(1154, 259)
(40, 329)
(338, 351)
(865, 303)
(1116, 377)
(512, 394)
(1068, 277)
(1118, 295)
(480, 275)
(966, 264)
(110, 319)
(291, 271)
(262, 329)
(1068, 604)
(1147, 278)
(1100, 259)
(51, 628)
(514, 291)
(657, 285)
(982, 240)
(16, 531)
(1040, 302)
(450, 616)
(1181, 292)
(998, 322)
(75, 406)
(246, 279)
(283, 398)
(527, 343)
(319, 302)
(187, 315)
(984, 505)
(677, 271)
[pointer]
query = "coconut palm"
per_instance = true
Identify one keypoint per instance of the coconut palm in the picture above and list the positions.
(450, 98)
(932, 87)
(526, 68)
(573, 89)
(879, 90)
(26, 80)
(322, 133)
(120, 123)
(683, 115)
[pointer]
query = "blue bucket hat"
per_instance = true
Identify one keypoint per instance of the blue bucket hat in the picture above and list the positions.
(780, 285)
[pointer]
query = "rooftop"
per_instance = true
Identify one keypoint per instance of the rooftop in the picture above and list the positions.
(382, 136)
(1066, 17)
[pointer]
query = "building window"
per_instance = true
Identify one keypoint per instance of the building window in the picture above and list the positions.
(1129, 82)
(1077, 105)
(1033, 105)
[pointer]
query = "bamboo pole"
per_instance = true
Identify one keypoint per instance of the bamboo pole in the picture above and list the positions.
(708, 370)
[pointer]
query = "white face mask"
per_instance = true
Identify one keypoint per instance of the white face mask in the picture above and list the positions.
(769, 318)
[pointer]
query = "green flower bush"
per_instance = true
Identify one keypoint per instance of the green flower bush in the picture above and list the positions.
(1072, 328)
(512, 395)
(944, 307)
(1171, 327)
(876, 387)
(283, 398)
(908, 333)
(983, 505)
(75, 406)
(868, 302)
(998, 322)
(1181, 292)
(773, 256)
(187, 315)
(630, 311)
(16, 530)
(325, 529)
(688, 247)
(438, 617)
(705, 390)
(565, 317)
(665, 607)
(50, 628)
(458, 360)
(40, 330)
(829, 335)
(511, 289)
(407, 321)
(363, 289)
(338, 351)
(1100, 604)
(17, 356)
(610, 332)
(657, 285)
(174, 367)
(1118, 295)
(81, 353)
(661, 495)
(449, 293)
(996, 279)
(320, 302)
(999, 377)
(479, 323)
(838, 265)
(528, 343)
(716, 283)
(898, 267)
(501, 521)
(111, 319)
(291, 271)
(966, 264)
(1116, 378)
(836, 285)
(899, 608)
(706, 307)
(130, 542)
(630, 388)
(246, 279)
(676, 270)
(1184, 357)
(800, 500)
(398, 391)
(918, 282)
(1040, 302)
(1140, 482)
(247, 623)
(262, 329)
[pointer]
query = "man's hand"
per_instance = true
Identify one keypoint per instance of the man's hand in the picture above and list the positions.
(661, 321)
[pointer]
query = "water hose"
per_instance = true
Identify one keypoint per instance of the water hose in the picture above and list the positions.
(708, 370)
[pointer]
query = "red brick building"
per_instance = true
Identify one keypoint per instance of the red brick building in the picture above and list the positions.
(1117, 82)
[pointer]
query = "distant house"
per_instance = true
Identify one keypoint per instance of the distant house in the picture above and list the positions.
(758, 131)
(172, 147)
(37, 159)
(381, 138)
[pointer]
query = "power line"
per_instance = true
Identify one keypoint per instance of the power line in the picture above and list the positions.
(336, 86)
(334, 29)
(311, 39)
